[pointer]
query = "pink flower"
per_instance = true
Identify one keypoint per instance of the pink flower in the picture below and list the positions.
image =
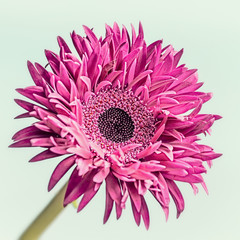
(122, 112)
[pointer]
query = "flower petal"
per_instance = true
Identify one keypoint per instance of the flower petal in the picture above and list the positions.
(60, 171)
(88, 195)
(108, 207)
(145, 213)
(135, 197)
(176, 195)
(113, 188)
(44, 155)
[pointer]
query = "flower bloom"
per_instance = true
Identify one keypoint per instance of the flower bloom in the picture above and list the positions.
(124, 113)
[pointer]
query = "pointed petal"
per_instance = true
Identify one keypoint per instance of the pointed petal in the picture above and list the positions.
(176, 195)
(44, 155)
(141, 76)
(27, 132)
(118, 210)
(136, 214)
(145, 213)
(63, 44)
(108, 207)
(113, 188)
(77, 185)
(60, 171)
(37, 78)
(149, 150)
(92, 37)
(135, 197)
(101, 175)
(22, 143)
(26, 105)
(88, 195)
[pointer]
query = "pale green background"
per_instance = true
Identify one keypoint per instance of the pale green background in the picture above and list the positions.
(208, 31)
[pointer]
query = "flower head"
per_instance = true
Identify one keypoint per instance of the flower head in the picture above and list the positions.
(122, 112)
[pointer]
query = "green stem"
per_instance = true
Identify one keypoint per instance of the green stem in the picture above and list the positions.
(45, 218)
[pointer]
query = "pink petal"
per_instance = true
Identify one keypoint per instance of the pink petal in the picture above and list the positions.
(208, 156)
(42, 127)
(129, 147)
(144, 212)
(22, 143)
(149, 150)
(126, 170)
(27, 132)
(63, 44)
(79, 135)
(92, 37)
(187, 74)
(43, 101)
(151, 166)
(97, 149)
(92, 64)
(141, 60)
(189, 178)
(29, 91)
(79, 111)
(44, 155)
(164, 189)
(53, 60)
(177, 57)
(133, 34)
(143, 175)
(77, 44)
(181, 108)
(61, 150)
(136, 213)
(113, 188)
(123, 178)
(24, 115)
(176, 195)
(112, 76)
(26, 105)
(139, 78)
(175, 164)
(37, 78)
(101, 175)
(64, 77)
(118, 210)
(60, 171)
(159, 130)
(77, 185)
(131, 72)
(108, 207)
(87, 82)
(131, 56)
(102, 84)
(88, 195)
(82, 152)
(204, 187)
(43, 72)
(54, 124)
(167, 65)
(174, 133)
(135, 197)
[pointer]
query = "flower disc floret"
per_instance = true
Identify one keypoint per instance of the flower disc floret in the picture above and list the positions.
(114, 118)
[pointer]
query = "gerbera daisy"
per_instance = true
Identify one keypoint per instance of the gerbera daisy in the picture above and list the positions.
(122, 112)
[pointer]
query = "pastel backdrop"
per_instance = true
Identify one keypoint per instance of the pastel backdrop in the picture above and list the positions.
(209, 33)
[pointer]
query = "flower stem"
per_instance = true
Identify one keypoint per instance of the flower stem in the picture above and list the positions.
(45, 218)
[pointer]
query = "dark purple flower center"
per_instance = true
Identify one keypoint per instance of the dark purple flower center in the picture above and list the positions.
(114, 118)
(116, 125)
